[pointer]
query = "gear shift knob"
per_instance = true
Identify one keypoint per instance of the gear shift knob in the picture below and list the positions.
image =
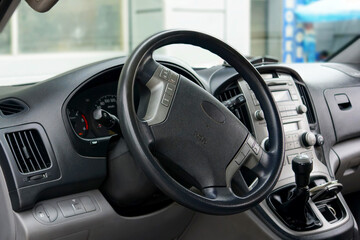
(302, 166)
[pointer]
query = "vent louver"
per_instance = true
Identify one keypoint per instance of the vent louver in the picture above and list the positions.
(29, 150)
(307, 102)
(239, 111)
(10, 107)
(230, 92)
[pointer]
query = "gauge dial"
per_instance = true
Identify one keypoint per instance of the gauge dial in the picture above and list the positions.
(78, 122)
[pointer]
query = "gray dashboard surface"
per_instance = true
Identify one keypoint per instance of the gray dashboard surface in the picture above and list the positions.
(80, 173)
(45, 101)
(104, 223)
(344, 106)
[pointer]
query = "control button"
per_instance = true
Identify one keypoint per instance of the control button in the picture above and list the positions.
(88, 204)
(166, 100)
(256, 148)
(301, 109)
(164, 74)
(308, 139)
(245, 149)
(170, 89)
(292, 113)
(173, 78)
(295, 137)
(66, 208)
(259, 115)
(284, 114)
(50, 212)
(77, 206)
(297, 145)
(239, 158)
(289, 108)
(288, 138)
(41, 215)
(282, 108)
(289, 146)
(319, 140)
(251, 141)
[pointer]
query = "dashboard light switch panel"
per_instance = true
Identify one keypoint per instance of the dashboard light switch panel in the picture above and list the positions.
(88, 204)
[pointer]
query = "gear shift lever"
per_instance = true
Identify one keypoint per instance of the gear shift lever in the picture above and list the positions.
(292, 203)
(302, 166)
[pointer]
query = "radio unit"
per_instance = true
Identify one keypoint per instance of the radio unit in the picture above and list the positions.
(298, 137)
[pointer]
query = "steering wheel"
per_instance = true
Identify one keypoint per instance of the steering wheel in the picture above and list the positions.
(182, 136)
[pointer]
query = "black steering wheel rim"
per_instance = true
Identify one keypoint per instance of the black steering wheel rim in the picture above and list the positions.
(134, 130)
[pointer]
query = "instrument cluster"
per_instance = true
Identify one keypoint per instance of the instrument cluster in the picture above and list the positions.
(81, 108)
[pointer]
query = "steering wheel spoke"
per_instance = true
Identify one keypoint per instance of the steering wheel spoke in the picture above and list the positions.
(147, 136)
(162, 87)
(220, 194)
(249, 156)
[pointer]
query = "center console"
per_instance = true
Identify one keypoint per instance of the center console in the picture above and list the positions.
(298, 137)
(305, 201)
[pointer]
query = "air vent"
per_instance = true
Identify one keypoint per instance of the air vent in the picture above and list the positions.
(29, 150)
(230, 92)
(307, 102)
(10, 107)
(239, 111)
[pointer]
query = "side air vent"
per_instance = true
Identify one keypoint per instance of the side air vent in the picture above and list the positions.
(12, 106)
(307, 102)
(240, 111)
(29, 150)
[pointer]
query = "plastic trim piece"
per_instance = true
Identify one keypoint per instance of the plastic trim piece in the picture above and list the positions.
(104, 222)
(16, 180)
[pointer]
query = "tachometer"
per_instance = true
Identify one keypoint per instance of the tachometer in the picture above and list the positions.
(78, 122)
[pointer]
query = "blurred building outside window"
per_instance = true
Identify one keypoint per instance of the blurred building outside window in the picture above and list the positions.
(36, 46)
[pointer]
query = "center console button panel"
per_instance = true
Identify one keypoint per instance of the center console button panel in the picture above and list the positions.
(298, 137)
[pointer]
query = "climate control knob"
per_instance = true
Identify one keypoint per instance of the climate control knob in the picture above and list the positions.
(308, 139)
(301, 109)
(259, 115)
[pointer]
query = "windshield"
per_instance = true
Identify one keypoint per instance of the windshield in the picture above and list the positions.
(36, 46)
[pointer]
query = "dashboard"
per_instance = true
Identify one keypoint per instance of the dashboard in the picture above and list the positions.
(78, 147)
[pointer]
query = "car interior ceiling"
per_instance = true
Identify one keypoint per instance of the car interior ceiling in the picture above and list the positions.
(146, 146)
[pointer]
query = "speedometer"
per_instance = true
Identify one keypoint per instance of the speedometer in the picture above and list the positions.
(108, 103)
